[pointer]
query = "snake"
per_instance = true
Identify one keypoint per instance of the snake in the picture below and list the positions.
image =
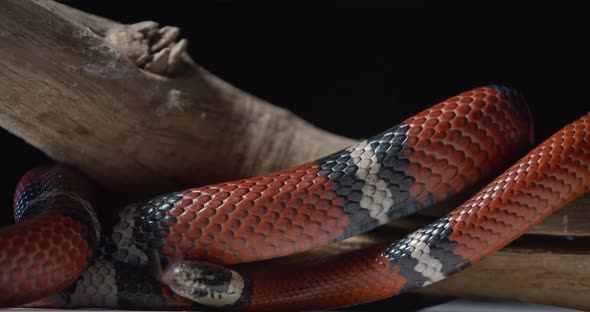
(183, 250)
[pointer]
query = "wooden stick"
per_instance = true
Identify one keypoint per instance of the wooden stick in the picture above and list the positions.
(72, 86)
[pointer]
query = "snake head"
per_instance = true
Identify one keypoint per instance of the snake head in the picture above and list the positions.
(205, 283)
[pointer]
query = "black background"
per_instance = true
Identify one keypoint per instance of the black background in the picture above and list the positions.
(358, 67)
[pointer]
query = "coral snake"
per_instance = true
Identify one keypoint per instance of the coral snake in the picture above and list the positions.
(182, 250)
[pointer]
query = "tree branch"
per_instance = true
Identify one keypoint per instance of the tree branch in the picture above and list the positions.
(71, 93)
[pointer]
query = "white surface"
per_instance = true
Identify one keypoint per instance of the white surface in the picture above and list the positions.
(452, 306)
(484, 306)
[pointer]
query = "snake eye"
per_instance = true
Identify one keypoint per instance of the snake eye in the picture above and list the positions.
(215, 276)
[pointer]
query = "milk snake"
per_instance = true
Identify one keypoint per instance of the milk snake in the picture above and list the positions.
(165, 252)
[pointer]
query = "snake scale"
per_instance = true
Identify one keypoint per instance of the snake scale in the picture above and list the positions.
(180, 250)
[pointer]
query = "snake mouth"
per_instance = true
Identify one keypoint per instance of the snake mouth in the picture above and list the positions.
(204, 283)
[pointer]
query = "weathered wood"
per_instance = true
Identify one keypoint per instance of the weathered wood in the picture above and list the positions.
(572, 220)
(81, 100)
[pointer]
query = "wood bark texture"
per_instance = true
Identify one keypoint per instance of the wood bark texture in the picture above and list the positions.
(72, 94)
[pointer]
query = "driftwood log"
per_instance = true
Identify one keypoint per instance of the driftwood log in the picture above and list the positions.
(128, 106)
(72, 86)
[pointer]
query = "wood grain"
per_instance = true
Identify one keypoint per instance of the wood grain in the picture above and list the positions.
(71, 94)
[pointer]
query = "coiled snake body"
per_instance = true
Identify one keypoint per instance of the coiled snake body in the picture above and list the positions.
(160, 253)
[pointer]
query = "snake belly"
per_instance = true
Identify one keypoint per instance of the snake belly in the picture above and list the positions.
(424, 160)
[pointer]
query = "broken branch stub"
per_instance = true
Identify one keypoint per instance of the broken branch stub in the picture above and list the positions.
(149, 47)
